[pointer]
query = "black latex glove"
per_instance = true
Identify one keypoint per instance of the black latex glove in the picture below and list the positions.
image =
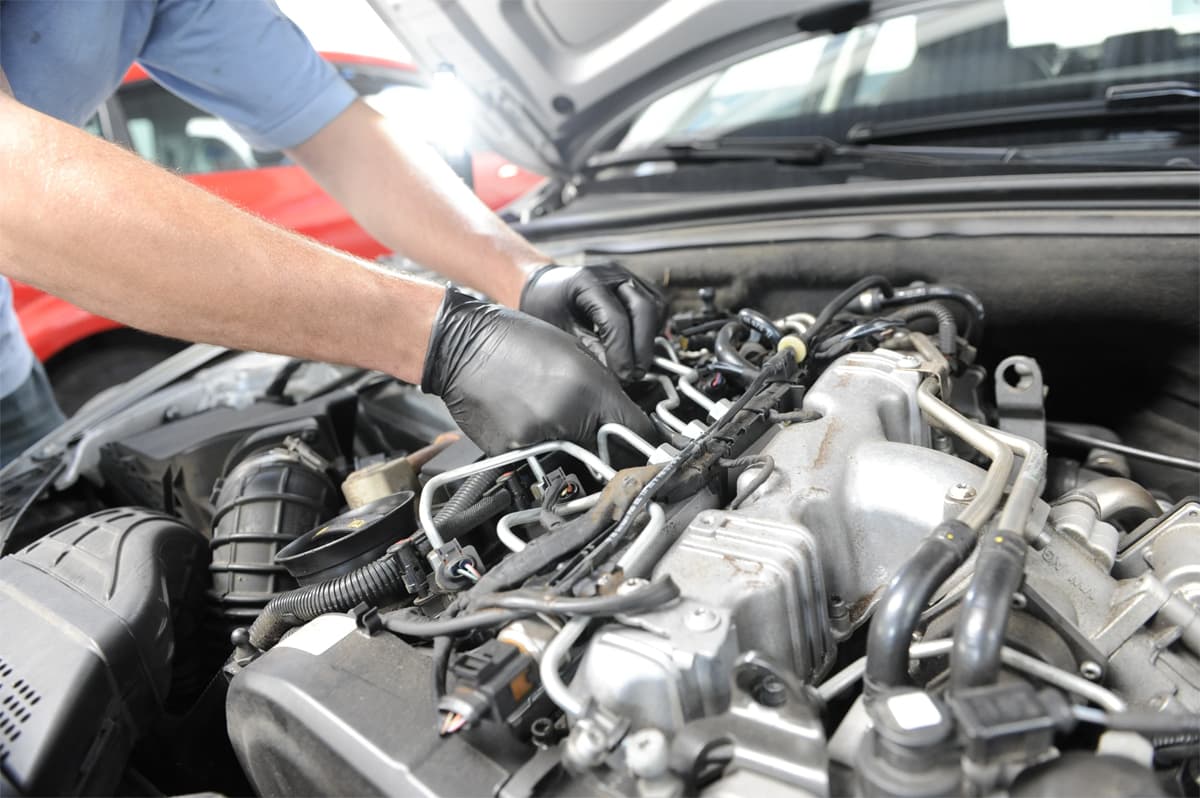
(512, 380)
(624, 311)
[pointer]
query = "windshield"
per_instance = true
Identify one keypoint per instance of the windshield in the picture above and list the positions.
(954, 59)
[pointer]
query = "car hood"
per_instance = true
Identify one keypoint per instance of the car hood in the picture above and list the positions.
(547, 80)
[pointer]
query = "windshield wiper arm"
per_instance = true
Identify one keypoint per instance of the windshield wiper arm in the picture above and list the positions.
(799, 150)
(1152, 94)
(1170, 99)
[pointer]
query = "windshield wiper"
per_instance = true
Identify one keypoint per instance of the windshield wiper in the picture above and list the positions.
(799, 150)
(788, 150)
(1165, 101)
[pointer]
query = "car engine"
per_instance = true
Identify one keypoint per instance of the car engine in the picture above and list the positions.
(855, 561)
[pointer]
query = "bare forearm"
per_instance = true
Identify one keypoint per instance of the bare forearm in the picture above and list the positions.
(98, 226)
(406, 196)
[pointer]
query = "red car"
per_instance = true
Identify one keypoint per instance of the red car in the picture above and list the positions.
(85, 353)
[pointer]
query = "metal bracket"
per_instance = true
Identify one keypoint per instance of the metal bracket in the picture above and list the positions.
(1020, 398)
(1093, 664)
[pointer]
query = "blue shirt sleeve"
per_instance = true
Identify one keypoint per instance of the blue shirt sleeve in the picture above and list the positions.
(244, 61)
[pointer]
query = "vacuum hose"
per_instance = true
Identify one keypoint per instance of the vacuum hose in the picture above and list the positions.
(907, 595)
(999, 569)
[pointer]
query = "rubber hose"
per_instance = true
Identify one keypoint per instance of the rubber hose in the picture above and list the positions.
(471, 517)
(766, 328)
(946, 324)
(841, 300)
(469, 492)
(411, 623)
(727, 352)
(999, 569)
(907, 595)
(372, 583)
(976, 313)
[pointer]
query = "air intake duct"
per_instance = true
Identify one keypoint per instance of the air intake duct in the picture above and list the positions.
(266, 501)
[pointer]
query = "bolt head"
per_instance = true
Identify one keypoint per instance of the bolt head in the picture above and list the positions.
(961, 492)
(631, 584)
(47, 452)
(1090, 670)
(647, 753)
(701, 619)
(770, 692)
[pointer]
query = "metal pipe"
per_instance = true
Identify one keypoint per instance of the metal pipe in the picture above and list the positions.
(1117, 496)
(504, 527)
(688, 377)
(673, 366)
(687, 386)
(645, 538)
(613, 429)
(667, 347)
(1068, 433)
(1028, 484)
(977, 513)
(558, 690)
(846, 678)
(797, 323)
(663, 409)
(425, 506)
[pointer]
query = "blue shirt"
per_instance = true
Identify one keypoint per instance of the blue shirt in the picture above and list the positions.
(241, 60)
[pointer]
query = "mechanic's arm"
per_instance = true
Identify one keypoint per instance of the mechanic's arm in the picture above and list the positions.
(406, 196)
(99, 226)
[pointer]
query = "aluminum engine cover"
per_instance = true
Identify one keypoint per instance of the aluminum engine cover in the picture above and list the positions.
(861, 480)
(851, 495)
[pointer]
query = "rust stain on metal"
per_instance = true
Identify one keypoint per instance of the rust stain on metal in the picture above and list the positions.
(860, 607)
(739, 566)
(831, 431)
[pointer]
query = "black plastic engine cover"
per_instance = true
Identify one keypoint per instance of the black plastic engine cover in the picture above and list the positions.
(86, 644)
(330, 711)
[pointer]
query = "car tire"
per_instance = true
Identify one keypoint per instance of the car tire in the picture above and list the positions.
(102, 361)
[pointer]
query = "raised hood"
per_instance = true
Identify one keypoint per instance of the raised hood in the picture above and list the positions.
(549, 79)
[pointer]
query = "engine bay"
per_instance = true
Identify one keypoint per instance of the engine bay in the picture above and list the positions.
(858, 559)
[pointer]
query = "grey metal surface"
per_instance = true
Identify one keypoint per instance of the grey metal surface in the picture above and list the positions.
(662, 669)
(546, 77)
(1145, 624)
(767, 576)
(861, 480)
